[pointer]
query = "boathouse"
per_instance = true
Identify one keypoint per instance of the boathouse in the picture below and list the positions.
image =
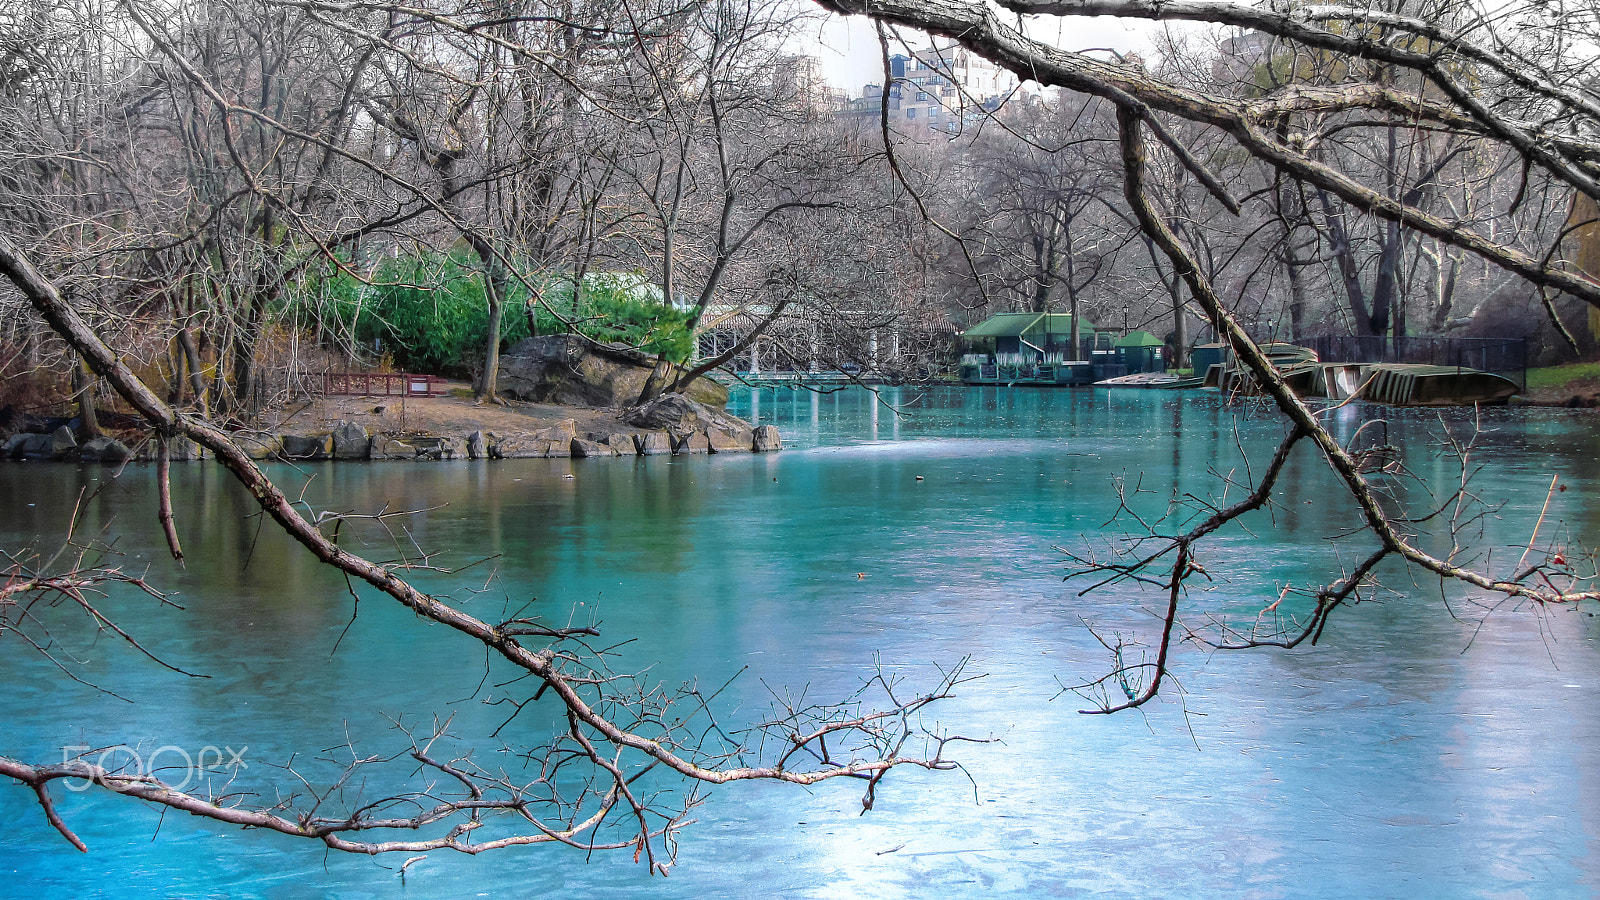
(1035, 349)
(1036, 337)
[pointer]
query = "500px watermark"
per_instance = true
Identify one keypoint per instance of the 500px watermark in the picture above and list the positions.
(162, 762)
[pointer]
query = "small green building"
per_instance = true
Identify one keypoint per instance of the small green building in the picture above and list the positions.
(1139, 352)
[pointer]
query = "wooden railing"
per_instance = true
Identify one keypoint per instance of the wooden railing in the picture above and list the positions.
(393, 384)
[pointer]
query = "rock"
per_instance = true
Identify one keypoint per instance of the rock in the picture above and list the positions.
(39, 446)
(306, 446)
(30, 446)
(652, 443)
(558, 449)
(477, 446)
(104, 449)
(722, 440)
(386, 446)
(564, 430)
(437, 447)
(62, 442)
(582, 449)
(351, 441)
(258, 445)
(766, 439)
(517, 446)
(681, 415)
(569, 370)
(620, 444)
(694, 442)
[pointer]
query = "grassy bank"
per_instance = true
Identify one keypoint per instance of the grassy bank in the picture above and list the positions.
(1554, 384)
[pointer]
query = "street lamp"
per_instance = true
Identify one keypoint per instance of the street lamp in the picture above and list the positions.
(1124, 320)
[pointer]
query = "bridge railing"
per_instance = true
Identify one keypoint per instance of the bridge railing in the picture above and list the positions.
(1506, 357)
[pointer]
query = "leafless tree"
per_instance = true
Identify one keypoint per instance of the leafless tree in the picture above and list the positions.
(1472, 77)
(619, 727)
(1046, 208)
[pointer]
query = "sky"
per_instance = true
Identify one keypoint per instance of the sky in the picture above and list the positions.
(848, 46)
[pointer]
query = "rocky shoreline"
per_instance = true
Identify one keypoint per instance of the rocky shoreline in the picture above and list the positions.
(670, 425)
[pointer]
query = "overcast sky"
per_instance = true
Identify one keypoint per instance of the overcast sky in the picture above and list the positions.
(848, 47)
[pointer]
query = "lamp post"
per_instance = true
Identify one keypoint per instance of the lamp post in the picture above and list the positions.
(1124, 320)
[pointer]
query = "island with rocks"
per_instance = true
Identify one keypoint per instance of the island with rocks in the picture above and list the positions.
(561, 397)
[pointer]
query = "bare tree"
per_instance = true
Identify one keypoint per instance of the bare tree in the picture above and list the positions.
(1470, 76)
(618, 728)
(1045, 206)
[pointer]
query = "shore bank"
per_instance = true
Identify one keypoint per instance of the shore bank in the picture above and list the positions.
(441, 427)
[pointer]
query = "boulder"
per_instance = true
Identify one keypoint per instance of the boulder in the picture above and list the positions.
(766, 439)
(620, 444)
(518, 446)
(652, 443)
(477, 446)
(681, 415)
(351, 441)
(582, 449)
(564, 430)
(437, 447)
(385, 446)
(723, 440)
(62, 442)
(572, 371)
(306, 446)
(104, 449)
(30, 446)
(693, 442)
(258, 445)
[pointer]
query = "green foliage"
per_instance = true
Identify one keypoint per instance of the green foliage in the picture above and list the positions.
(620, 307)
(429, 313)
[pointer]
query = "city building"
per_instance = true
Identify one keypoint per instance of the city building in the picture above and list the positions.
(937, 90)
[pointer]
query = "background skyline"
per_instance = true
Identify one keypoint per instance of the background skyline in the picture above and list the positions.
(848, 46)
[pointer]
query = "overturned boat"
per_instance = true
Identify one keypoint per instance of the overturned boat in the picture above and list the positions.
(1395, 384)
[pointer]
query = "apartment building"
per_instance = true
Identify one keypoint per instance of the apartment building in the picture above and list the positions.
(937, 90)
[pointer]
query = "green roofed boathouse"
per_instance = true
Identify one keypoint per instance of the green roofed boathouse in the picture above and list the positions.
(1034, 349)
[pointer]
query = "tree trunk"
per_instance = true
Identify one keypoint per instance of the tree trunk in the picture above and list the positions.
(1384, 294)
(1297, 296)
(1077, 328)
(496, 285)
(83, 384)
(1180, 328)
(191, 356)
(243, 352)
(494, 292)
(1339, 244)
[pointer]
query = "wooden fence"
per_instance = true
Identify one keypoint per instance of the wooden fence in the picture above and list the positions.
(395, 384)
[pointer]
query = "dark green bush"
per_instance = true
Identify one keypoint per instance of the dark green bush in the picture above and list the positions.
(428, 313)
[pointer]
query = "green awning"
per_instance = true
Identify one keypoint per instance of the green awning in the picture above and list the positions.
(1019, 324)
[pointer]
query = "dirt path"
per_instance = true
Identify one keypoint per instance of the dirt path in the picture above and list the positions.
(454, 414)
